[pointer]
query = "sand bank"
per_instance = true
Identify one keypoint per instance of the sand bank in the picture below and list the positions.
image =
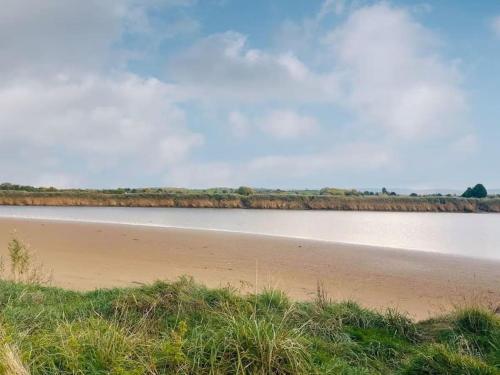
(84, 256)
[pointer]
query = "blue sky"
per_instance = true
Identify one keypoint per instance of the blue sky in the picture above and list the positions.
(290, 94)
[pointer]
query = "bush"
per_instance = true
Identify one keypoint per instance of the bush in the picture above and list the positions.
(245, 190)
(478, 191)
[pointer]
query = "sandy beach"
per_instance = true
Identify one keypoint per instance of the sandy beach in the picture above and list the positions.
(85, 256)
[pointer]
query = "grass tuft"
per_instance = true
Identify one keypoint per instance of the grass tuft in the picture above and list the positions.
(437, 360)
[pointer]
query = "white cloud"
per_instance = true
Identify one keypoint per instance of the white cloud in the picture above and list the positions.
(58, 180)
(57, 34)
(202, 175)
(330, 6)
(51, 36)
(222, 67)
(239, 124)
(495, 26)
(302, 35)
(353, 155)
(287, 124)
(281, 124)
(69, 111)
(100, 122)
(274, 169)
(385, 68)
(393, 76)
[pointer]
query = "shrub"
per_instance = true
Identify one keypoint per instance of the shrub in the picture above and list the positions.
(245, 190)
(478, 191)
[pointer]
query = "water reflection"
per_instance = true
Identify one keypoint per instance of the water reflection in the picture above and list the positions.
(475, 235)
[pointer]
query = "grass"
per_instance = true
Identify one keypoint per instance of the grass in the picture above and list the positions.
(230, 198)
(186, 328)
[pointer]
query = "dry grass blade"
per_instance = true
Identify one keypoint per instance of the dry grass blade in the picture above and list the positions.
(23, 266)
(10, 361)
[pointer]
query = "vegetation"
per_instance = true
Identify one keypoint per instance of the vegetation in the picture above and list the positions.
(386, 192)
(341, 192)
(246, 197)
(245, 190)
(185, 328)
(478, 191)
(22, 265)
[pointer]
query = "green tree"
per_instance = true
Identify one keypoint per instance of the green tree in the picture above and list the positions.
(478, 191)
(245, 190)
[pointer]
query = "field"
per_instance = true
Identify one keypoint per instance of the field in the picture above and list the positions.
(185, 328)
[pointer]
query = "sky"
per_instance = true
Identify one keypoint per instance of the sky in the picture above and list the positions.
(277, 94)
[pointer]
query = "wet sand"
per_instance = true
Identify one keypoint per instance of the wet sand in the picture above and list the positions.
(85, 256)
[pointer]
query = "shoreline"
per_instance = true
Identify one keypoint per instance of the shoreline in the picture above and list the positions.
(85, 256)
(258, 234)
(255, 201)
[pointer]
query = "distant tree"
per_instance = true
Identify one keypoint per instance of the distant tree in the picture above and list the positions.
(467, 193)
(245, 190)
(387, 192)
(478, 191)
(413, 195)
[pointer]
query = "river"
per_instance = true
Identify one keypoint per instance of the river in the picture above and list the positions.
(476, 235)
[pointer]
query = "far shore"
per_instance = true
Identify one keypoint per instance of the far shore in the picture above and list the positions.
(85, 256)
(253, 201)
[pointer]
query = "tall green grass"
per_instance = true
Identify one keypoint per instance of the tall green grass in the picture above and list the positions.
(186, 328)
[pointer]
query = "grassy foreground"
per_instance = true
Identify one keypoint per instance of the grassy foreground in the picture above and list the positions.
(186, 328)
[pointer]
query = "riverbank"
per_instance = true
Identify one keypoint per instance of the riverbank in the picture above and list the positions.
(186, 328)
(84, 256)
(254, 201)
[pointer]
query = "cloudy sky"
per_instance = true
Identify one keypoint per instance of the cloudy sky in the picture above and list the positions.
(282, 93)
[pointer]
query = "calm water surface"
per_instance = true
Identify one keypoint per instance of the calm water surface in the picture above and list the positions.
(476, 235)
